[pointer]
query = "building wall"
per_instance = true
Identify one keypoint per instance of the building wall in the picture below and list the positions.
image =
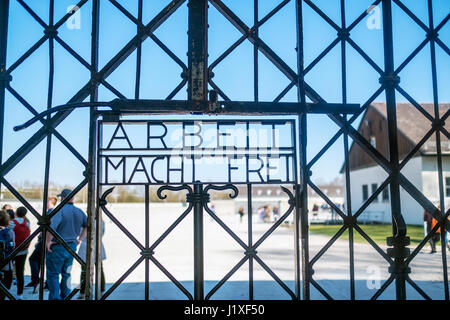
(411, 210)
(430, 178)
(373, 128)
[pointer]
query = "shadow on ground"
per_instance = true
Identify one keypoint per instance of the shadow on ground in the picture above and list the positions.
(270, 290)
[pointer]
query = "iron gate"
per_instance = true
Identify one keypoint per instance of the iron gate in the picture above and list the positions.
(198, 75)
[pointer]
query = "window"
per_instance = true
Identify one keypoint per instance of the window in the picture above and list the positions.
(385, 194)
(374, 188)
(365, 192)
(447, 186)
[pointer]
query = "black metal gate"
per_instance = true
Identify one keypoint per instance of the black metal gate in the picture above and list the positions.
(204, 96)
(120, 159)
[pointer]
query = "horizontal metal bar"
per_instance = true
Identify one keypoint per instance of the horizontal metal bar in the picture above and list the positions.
(177, 183)
(229, 107)
(287, 107)
(131, 106)
(190, 122)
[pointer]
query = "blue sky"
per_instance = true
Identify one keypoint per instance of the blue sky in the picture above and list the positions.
(234, 75)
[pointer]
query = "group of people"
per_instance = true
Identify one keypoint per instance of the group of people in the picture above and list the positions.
(14, 230)
(70, 223)
(325, 207)
(268, 214)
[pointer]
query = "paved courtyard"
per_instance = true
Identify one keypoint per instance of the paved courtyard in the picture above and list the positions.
(222, 253)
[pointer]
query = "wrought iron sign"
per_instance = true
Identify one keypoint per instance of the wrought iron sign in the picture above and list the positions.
(137, 152)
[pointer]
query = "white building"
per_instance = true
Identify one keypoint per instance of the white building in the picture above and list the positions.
(366, 175)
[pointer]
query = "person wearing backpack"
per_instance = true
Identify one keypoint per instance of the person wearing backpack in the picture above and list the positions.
(21, 233)
(7, 237)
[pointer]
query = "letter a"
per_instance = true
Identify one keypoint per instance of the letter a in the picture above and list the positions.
(116, 137)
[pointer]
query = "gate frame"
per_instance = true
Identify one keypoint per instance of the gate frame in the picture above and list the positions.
(198, 76)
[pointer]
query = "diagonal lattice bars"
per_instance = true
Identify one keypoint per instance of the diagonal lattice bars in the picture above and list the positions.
(389, 84)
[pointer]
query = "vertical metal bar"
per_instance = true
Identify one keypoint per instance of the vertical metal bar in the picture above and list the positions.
(255, 54)
(438, 146)
(297, 234)
(98, 222)
(296, 215)
(47, 151)
(198, 242)
(389, 81)
(98, 211)
(250, 240)
(198, 51)
(350, 214)
(91, 173)
(198, 92)
(42, 262)
(347, 168)
(138, 53)
(49, 105)
(4, 78)
(98, 242)
(301, 193)
(147, 239)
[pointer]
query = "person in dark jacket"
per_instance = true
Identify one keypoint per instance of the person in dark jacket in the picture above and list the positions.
(35, 257)
(7, 238)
